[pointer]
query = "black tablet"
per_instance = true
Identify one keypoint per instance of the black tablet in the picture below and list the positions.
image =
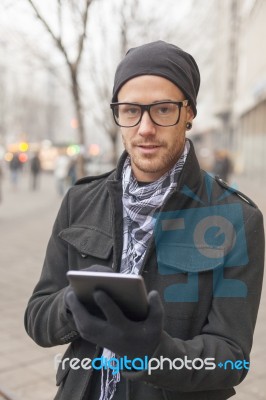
(128, 291)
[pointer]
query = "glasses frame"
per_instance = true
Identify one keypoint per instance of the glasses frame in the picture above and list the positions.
(147, 107)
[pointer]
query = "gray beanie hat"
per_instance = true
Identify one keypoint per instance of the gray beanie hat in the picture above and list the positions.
(162, 59)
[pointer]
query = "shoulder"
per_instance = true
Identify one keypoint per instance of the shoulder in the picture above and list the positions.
(86, 197)
(247, 210)
(90, 187)
(96, 178)
(234, 191)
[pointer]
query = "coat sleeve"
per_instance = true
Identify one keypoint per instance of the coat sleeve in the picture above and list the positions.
(46, 319)
(227, 334)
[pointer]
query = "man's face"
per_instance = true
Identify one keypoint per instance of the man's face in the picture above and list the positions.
(153, 149)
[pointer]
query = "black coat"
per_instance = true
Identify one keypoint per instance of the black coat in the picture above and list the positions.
(210, 309)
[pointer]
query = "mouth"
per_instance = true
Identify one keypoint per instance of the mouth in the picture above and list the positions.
(148, 145)
(148, 148)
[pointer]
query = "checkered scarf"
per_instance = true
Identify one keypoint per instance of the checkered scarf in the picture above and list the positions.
(140, 203)
(139, 206)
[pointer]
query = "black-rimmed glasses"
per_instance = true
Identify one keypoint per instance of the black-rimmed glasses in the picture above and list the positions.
(165, 113)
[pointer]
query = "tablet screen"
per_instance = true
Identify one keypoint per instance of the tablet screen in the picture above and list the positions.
(128, 291)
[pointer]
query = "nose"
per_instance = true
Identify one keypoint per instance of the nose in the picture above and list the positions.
(146, 126)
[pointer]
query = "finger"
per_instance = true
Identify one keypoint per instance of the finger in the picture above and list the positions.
(71, 299)
(98, 268)
(67, 290)
(84, 321)
(111, 310)
(156, 307)
(76, 307)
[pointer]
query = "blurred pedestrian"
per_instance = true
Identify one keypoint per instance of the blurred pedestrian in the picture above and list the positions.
(223, 166)
(61, 172)
(35, 170)
(15, 166)
(72, 171)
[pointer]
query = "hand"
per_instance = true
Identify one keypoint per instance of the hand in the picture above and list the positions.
(98, 268)
(93, 268)
(118, 333)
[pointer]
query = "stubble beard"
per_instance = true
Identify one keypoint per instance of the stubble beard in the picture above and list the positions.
(150, 163)
(156, 164)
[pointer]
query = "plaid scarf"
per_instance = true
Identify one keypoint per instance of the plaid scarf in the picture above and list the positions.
(140, 203)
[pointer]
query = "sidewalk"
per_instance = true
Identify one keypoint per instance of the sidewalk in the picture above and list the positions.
(26, 218)
(27, 370)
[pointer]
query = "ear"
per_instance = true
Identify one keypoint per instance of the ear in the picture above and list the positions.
(190, 114)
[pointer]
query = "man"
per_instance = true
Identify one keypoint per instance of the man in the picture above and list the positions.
(223, 166)
(189, 236)
(35, 169)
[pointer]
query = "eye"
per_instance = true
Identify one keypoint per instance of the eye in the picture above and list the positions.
(163, 109)
(129, 110)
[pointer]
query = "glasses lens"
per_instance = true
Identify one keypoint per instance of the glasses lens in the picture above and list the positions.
(127, 115)
(165, 114)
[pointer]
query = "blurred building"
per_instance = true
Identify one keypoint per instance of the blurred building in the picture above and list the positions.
(250, 106)
(216, 51)
(234, 118)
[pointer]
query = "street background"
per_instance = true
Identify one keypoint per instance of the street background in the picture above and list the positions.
(26, 370)
(57, 64)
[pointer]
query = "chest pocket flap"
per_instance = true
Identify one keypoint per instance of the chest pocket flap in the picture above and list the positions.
(188, 258)
(88, 240)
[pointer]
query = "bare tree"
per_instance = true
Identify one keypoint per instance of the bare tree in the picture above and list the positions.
(134, 28)
(79, 13)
